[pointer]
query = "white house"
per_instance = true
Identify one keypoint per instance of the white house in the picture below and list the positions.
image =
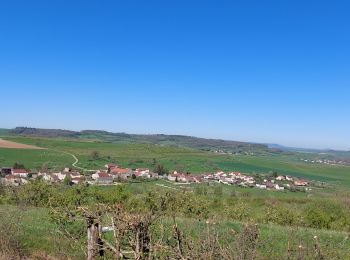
(23, 173)
(277, 187)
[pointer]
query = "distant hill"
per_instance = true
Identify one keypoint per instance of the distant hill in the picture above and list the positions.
(316, 153)
(4, 131)
(27, 131)
(215, 145)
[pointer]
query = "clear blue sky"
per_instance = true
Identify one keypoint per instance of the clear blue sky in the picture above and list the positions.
(263, 71)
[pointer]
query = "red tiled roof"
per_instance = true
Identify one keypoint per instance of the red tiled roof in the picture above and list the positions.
(104, 175)
(120, 170)
(142, 169)
(19, 171)
(11, 177)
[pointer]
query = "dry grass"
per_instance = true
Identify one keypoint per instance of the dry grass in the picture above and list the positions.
(14, 145)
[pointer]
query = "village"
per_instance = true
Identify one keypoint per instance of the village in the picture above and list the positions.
(114, 174)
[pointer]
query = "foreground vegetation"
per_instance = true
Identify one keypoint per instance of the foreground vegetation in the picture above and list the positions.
(208, 221)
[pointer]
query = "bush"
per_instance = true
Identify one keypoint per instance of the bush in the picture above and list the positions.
(330, 215)
(278, 214)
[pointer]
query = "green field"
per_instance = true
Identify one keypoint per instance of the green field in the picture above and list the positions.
(174, 158)
(34, 159)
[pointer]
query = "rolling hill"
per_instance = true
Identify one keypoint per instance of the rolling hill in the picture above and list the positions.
(222, 146)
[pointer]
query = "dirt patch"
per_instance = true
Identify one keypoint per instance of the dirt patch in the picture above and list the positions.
(9, 144)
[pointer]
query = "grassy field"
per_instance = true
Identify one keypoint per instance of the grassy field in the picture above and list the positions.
(174, 158)
(34, 232)
(34, 159)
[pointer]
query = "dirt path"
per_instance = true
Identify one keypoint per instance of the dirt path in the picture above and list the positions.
(76, 160)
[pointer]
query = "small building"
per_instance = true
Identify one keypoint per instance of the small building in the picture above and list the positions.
(122, 173)
(111, 166)
(277, 187)
(12, 180)
(280, 178)
(104, 178)
(301, 182)
(77, 180)
(142, 172)
(6, 170)
(20, 172)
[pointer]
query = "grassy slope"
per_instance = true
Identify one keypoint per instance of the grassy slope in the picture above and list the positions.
(35, 231)
(138, 155)
(34, 159)
(40, 234)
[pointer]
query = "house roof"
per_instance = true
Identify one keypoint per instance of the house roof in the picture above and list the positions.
(103, 175)
(120, 170)
(142, 169)
(19, 171)
(10, 177)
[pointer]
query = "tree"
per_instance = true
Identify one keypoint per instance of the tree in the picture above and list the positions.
(67, 180)
(160, 169)
(18, 165)
(95, 155)
(45, 167)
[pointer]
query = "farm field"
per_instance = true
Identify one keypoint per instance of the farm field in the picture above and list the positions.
(14, 145)
(35, 159)
(173, 158)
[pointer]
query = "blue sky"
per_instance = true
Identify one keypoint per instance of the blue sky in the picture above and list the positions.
(262, 71)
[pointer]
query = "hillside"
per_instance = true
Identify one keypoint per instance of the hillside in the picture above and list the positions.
(222, 146)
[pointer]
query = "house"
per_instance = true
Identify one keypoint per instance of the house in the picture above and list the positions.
(49, 177)
(94, 176)
(142, 172)
(61, 176)
(288, 178)
(269, 185)
(173, 176)
(261, 186)
(277, 187)
(280, 178)
(75, 174)
(20, 172)
(104, 178)
(111, 166)
(77, 180)
(24, 181)
(5, 170)
(301, 182)
(12, 180)
(54, 178)
(123, 173)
